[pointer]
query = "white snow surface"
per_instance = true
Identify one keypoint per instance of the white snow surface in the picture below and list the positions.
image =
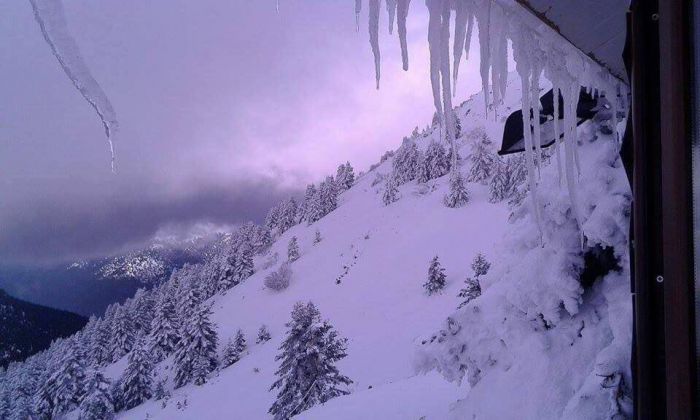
(404, 366)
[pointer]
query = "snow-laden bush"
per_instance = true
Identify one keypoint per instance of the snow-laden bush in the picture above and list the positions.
(279, 280)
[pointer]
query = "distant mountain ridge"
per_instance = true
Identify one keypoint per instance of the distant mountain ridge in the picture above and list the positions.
(27, 328)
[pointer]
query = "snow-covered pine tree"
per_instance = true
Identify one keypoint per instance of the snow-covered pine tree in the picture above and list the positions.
(480, 265)
(317, 237)
(405, 162)
(287, 215)
(137, 380)
(482, 160)
(307, 374)
(435, 162)
(195, 356)
(141, 309)
(509, 174)
(160, 391)
(100, 344)
(123, 333)
(436, 277)
(423, 171)
(97, 404)
(234, 350)
(328, 194)
(272, 218)
(344, 177)
(243, 264)
(471, 291)
(305, 206)
(458, 195)
(190, 298)
(65, 387)
(263, 335)
(293, 250)
(279, 279)
(164, 329)
(391, 192)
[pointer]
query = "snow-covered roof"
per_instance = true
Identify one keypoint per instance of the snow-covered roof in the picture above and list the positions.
(596, 27)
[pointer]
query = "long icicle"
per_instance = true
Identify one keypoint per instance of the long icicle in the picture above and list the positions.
(535, 100)
(358, 9)
(402, 14)
(557, 130)
(374, 37)
(470, 29)
(391, 9)
(434, 36)
(461, 16)
(445, 77)
(570, 104)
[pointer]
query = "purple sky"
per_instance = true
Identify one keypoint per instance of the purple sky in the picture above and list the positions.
(225, 107)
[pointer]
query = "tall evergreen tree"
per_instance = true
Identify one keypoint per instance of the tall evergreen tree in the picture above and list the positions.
(100, 344)
(97, 404)
(164, 331)
(234, 350)
(480, 265)
(123, 333)
(435, 162)
(243, 266)
(195, 356)
(405, 162)
(305, 206)
(287, 215)
(293, 250)
(436, 277)
(345, 177)
(508, 175)
(307, 374)
(65, 387)
(142, 311)
(263, 335)
(458, 195)
(483, 161)
(391, 192)
(137, 380)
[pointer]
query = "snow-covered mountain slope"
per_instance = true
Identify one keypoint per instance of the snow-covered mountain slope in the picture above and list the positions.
(536, 344)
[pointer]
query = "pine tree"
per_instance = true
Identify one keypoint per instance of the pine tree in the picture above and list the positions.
(293, 250)
(508, 176)
(480, 265)
(305, 207)
(328, 196)
(405, 162)
(164, 331)
(142, 311)
(123, 333)
(97, 404)
(390, 191)
(65, 387)
(435, 162)
(471, 291)
(100, 345)
(458, 195)
(161, 392)
(287, 215)
(234, 350)
(307, 374)
(317, 237)
(344, 177)
(272, 218)
(436, 277)
(483, 161)
(243, 265)
(263, 335)
(195, 356)
(137, 380)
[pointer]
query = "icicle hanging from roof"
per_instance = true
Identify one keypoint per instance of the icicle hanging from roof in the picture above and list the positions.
(52, 21)
(402, 14)
(374, 37)
(391, 9)
(358, 9)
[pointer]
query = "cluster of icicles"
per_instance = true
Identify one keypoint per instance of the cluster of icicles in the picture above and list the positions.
(538, 51)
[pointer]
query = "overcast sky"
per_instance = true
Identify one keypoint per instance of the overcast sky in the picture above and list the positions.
(225, 107)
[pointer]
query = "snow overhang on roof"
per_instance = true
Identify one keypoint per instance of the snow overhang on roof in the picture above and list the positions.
(596, 27)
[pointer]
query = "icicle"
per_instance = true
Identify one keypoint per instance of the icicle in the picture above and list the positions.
(535, 99)
(277, 6)
(461, 17)
(434, 38)
(402, 14)
(557, 130)
(50, 17)
(498, 55)
(570, 103)
(483, 17)
(391, 8)
(445, 77)
(522, 50)
(374, 36)
(358, 9)
(468, 38)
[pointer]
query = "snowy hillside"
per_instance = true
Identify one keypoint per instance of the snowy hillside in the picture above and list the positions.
(546, 330)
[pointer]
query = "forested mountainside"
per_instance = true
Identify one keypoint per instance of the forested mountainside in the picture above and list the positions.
(26, 328)
(402, 292)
